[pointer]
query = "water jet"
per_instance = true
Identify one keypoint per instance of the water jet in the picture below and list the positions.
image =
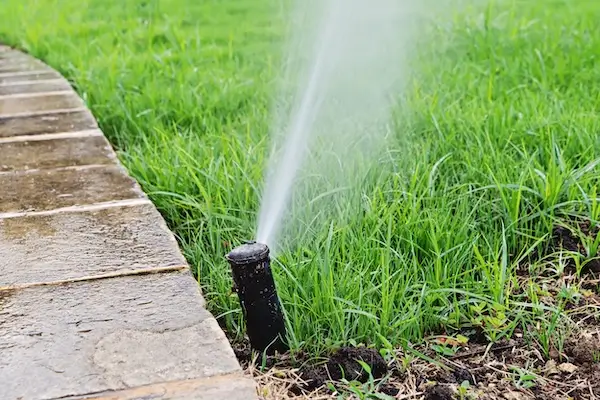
(255, 286)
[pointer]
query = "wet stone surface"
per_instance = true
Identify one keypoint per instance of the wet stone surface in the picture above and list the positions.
(21, 105)
(47, 190)
(52, 85)
(5, 49)
(28, 76)
(11, 55)
(229, 387)
(55, 153)
(7, 53)
(11, 59)
(112, 334)
(48, 248)
(134, 326)
(51, 123)
(21, 65)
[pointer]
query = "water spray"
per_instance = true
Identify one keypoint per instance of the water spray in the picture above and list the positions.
(254, 284)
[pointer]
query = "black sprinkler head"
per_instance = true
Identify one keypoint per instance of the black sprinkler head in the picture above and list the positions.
(248, 253)
(254, 284)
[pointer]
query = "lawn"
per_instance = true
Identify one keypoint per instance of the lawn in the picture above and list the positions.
(492, 170)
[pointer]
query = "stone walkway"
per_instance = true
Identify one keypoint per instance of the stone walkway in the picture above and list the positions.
(96, 301)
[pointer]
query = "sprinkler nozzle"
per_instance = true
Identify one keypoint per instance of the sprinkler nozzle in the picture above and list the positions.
(254, 284)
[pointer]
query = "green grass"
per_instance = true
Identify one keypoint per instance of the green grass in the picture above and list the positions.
(497, 144)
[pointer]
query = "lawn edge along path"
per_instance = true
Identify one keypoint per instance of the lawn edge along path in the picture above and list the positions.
(96, 300)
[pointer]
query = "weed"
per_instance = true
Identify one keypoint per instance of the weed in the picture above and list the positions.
(523, 378)
(361, 391)
(463, 390)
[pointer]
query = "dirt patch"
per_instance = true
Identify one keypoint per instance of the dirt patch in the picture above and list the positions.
(458, 375)
(508, 370)
(389, 390)
(439, 392)
(585, 350)
(345, 364)
(574, 239)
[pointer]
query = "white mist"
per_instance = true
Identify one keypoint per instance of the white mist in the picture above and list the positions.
(347, 62)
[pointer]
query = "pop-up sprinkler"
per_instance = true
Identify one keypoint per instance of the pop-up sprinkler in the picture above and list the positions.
(254, 284)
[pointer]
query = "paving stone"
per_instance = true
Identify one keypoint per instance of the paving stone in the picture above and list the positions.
(111, 334)
(27, 76)
(74, 245)
(37, 103)
(21, 64)
(52, 189)
(35, 87)
(55, 153)
(86, 305)
(71, 121)
(11, 53)
(11, 58)
(8, 53)
(230, 387)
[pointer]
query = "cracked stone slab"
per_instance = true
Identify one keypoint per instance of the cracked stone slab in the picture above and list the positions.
(51, 85)
(230, 387)
(10, 106)
(55, 153)
(71, 121)
(52, 189)
(74, 245)
(27, 76)
(108, 335)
